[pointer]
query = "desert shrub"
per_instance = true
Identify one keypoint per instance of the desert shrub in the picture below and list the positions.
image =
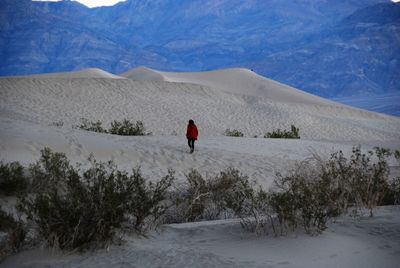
(397, 154)
(253, 208)
(15, 231)
(123, 128)
(191, 200)
(231, 189)
(85, 124)
(392, 193)
(394, 189)
(76, 210)
(57, 124)
(52, 170)
(284, 134)
(12, 178)
(127, 128)
(147, 199)
(363, 181)
(305, 198)
(317, 190)
(233, 133)
(224, 195)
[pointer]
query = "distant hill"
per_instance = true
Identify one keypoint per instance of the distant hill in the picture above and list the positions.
(329, 48)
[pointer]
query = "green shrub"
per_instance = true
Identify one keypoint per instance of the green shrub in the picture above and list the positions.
(57, 124)
(211, 198)
(16, 233)
(363, 182)
(397, 154)
(392, 195)
(127, 128)
(318, 190)
(191, 201)
(52, 170)
(92, 126)
(305, 198)
(147, 199)
(12, 179)
(73, 210)
(123, 128)
(284, 134)
(233, 133)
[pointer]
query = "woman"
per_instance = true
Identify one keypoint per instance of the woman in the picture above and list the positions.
(191, 134)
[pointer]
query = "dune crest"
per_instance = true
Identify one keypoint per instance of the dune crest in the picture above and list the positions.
(84, 73)
(234, 80)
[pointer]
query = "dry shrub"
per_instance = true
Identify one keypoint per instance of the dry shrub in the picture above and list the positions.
(12, 179)
(73, 210)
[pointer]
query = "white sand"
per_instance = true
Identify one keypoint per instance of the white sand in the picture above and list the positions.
(85, 73)
(234, 98)
(236, 80)
(166, 107)
(347, 243)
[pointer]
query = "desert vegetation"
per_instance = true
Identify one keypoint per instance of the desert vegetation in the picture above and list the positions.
(284, 134)
(73, 208)
(123, 128)
(15, 233)
(12, 179)
(233, 133)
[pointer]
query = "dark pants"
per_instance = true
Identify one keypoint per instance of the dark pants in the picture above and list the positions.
(191, 144)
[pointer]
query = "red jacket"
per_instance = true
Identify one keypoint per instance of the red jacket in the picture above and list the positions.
(192, 132)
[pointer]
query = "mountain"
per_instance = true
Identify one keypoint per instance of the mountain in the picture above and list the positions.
(329, 48)
(359, 55)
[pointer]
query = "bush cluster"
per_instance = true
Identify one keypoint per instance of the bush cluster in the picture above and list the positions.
(233, 133)
(74, 208)
(92, 126)
(12, 179)
(308, 196)
(317, 190)
(127, 128)
(206, 198)
(226, 195)
(123, 128)
(284, 134)
(15, 233)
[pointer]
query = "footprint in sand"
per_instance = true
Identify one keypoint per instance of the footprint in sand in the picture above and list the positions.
(33, 146)
(283, 263)
(385, 246)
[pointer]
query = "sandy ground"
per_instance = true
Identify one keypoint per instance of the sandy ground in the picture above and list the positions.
(365, 242)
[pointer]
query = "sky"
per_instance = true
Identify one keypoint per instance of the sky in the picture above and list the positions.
(93, 3)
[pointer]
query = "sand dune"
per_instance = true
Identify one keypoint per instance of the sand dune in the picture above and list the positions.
(165, 107)
(237, 80)
(144, 73)
(85, 73)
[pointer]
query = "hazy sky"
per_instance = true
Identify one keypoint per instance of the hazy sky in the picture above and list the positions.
(93, 3)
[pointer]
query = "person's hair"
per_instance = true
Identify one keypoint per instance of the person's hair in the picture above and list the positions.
(191, 122)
